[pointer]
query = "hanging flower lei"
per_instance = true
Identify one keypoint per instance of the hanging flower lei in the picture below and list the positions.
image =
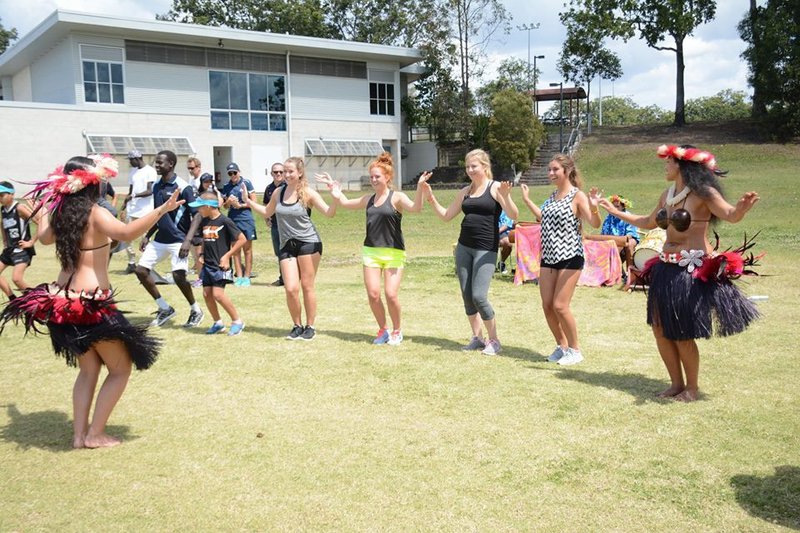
(52, 191)
(688, 154)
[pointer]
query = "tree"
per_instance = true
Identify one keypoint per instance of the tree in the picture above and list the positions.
(583, 57)
(654, 21)
(725, 105)
(514, 132)
(511, 74)
(476, 21)
(7, 37)
(749, 31)
(774, 59)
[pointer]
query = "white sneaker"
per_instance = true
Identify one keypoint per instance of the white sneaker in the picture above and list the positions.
(492, 348)
(395, 338)
(572, 357)
(557, 354)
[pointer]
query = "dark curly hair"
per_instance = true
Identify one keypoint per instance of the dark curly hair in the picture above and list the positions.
(69, 222)
(700, 178)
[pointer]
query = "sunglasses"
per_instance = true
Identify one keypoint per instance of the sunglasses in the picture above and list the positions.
(232, 173)
(277, 171)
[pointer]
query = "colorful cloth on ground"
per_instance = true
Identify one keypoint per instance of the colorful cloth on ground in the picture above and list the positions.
(602, 266)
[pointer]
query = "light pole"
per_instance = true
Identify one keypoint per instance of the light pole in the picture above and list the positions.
(528, 28)
(535, 101)
(560, 86)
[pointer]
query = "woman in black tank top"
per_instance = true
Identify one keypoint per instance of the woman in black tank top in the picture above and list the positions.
(476, 252)
(383, 253)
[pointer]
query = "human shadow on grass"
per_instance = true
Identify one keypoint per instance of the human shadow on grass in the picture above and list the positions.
(47, 430)
(775, 499)
(275, 333)
(641, 387)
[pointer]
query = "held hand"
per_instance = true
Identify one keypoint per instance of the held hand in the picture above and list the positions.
(25, 244)
(525, 191)
(143, 244)
(605, 204)
(245, 196)
(184, 251)
(426, 189)
(173, 201)
(423, 179)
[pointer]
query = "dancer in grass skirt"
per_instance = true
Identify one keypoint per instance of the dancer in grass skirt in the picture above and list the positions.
(78, 309)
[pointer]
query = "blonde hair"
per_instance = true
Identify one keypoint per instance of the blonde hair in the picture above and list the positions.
(302, 186)
(568, 164)
(384, 162)
(193, 160)
(483, 159)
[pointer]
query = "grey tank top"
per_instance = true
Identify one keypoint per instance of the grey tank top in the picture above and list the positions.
(294, 222)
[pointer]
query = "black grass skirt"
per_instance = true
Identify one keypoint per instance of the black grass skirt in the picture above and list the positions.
(77, 321)
(688, 308)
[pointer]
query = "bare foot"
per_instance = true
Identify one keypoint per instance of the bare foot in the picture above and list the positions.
(670, 392)
(686, 396)
(77, 443)
(101, 441)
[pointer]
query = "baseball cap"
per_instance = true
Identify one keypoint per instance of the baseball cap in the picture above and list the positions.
(206, 177)
(134, 154)
(233, 167)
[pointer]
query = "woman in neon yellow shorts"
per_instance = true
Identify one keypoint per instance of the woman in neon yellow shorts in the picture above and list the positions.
(384, 248)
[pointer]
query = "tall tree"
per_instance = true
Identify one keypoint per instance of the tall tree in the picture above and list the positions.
(662, 24)
(476, 22)
(749, 30)
(7, 37)
(774, 59)
(514, 133)
(512, 73)
(583, 57)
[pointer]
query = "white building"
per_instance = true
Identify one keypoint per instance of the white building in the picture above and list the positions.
(81, 83)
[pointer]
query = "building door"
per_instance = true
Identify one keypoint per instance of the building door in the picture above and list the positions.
(222, 156)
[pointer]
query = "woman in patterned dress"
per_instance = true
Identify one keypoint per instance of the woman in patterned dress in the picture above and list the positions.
(562, 252)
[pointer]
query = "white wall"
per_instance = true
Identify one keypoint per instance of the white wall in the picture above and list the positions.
(21, 86)
(155, 86)
(52, 76)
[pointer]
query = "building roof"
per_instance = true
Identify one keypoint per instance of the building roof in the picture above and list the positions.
(550, 95)
(61, 23)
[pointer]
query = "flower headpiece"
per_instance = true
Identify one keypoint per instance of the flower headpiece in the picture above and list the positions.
(688, 154)
(58, 184)
(624, 202)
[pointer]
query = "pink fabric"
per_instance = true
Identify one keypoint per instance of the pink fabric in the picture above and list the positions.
(603, 265)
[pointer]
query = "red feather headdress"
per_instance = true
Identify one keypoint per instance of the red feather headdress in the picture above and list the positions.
(51, 192)
(688, 154)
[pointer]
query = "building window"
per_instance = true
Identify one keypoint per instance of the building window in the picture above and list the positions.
(247, 101)
(381, 98)
(103, 82)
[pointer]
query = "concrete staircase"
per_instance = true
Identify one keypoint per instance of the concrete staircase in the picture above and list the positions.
(537, 172)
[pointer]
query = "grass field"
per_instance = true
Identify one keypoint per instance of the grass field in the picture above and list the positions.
(259, 433)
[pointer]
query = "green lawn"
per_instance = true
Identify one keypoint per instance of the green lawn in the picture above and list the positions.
(259, 433)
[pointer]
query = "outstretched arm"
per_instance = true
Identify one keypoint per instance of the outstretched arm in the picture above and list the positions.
(320, 204)
(640, 221)
(528, 202)
(119, 231)
(586, 206)
(265, 211)
(727, 212)
(445, 214)
(338, 196)
(502, 193)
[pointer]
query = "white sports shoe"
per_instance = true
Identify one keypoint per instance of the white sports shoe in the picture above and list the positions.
(557, 354)
(572, 357)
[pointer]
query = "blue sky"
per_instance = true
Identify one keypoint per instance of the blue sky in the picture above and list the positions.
(713, 60)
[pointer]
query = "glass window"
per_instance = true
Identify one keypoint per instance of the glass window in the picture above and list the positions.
(242, 101)
(381, 98)
(103, 82)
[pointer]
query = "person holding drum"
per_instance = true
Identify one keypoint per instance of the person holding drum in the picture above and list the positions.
(690, 283)
(624, 235)
(562, 252)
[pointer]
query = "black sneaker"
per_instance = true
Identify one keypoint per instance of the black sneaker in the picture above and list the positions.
(277, 283)
(195, 317)
(162, 315)
(296, 332)
(131, 268)
(308, 333)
